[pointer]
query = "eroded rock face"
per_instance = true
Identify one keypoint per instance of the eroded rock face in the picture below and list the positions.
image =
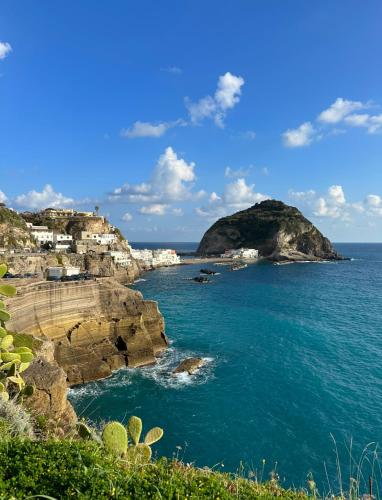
(278, 231)
(189, 365)
(50, 397)
(96, 326)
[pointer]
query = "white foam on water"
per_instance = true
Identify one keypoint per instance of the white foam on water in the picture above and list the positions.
(162, 374)
(139, 280)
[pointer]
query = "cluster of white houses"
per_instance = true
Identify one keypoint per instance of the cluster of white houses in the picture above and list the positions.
(241, 253)
(156, 258)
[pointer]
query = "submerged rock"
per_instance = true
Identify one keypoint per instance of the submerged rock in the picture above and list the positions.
(280, 232)
(189, 365)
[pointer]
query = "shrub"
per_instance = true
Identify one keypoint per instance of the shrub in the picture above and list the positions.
(81, 469)
(15, 420)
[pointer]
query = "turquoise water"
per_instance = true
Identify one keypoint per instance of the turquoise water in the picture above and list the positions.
(293, 354)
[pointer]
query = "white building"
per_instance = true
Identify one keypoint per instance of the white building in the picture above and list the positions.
(58, 237)
(166, 257)
(41, 233)
(156, 258)
(121, 258)
(62, 242)
(71, 270)
(57, 272)
(101, 239)
(241, 253)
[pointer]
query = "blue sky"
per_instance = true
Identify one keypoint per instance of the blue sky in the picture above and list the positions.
(171, 114)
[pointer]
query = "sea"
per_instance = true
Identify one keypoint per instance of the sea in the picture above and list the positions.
(292, 381)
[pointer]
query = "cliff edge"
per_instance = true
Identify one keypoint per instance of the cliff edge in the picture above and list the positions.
(96, 326)
(280, 233)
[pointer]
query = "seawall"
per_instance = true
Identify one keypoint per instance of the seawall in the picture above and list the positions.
(96, 326)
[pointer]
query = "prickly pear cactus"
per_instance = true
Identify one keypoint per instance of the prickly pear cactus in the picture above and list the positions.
(114, 437)
(13, 360)
(139, 454)
(84, 431)
(134, 428)
(154, 435)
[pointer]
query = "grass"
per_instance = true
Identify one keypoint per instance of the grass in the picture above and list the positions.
(82, 470)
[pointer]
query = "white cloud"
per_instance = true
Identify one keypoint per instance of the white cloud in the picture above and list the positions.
(144, 129)
(214, 197)
(240, 172)
(302, 195)
(339, 110)
(5, 49)
(172, 180)
(46, 198)
(154, 209)
(226, 96)
(298, 137)
(342, 111)
(127, 217)
(3, 197)
(373, 204)
(171, 176)
(237, 195)
(228, 91)
(373, 123)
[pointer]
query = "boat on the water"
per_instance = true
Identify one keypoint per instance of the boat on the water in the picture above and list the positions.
(201, 279)
(207, 271)
(237, 266)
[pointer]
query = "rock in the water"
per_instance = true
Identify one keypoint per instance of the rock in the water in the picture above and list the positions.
(189, 365)
(280, 232)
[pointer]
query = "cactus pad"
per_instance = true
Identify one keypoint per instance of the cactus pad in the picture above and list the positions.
(135, 429)
(154, 435)
(114, 437)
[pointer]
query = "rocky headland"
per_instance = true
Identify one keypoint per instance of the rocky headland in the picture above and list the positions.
(96, 326)
(280, 233)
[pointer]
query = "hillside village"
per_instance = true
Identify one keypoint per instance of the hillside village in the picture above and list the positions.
(68, 232)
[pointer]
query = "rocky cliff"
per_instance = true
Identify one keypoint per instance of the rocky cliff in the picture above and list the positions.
(96, 326)
(280, 232)
(13, 231)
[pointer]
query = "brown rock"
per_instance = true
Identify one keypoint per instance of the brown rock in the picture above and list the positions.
(96, 326)
(189, 365)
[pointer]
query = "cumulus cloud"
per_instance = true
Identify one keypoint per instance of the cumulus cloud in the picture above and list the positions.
(237, 195)
(144, 129)
(339, 110)
(5, 49)
(373, 123)
(300, 136)
(171, 181)
(234, 173)
(36, 200)
(373, 204)
(226, 96)
(147, 129)
(3, 197)
(127, 217)
(154, 209)
(334, 204)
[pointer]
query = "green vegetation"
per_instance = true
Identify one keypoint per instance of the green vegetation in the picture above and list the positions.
(13, 359)
(123, 442)
(71, 469)
(119, 235)
(10, 217)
